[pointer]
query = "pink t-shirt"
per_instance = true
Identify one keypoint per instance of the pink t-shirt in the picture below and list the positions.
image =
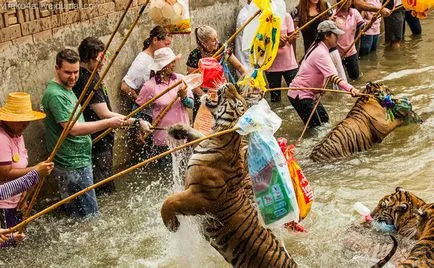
(285, 59)
(348, 22)
(375, 28)
(313, 73)
(10, 146)
(177, 113)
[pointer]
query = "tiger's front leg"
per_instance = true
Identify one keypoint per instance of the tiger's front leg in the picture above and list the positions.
(183, 203)
(181, 132)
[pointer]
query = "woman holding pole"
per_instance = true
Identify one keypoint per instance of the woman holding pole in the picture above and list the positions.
(317, 68)
(163, 76)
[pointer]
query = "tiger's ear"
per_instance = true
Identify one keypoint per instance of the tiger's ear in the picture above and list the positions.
(400, 189)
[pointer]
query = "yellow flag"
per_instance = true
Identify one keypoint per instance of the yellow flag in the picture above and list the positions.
(419, 7)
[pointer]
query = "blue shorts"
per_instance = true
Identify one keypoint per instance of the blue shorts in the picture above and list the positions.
(71, 181)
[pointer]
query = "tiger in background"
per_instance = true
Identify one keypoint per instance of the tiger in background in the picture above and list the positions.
(366, 123)
(395, 209)
(216, 184)
(422, 254)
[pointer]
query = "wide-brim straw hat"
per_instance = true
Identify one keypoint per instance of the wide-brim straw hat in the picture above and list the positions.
(162, 58)
(18, 108)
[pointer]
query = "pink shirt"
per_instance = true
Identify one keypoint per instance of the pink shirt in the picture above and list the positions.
(348, 22)
(313, 73)
(10, 146)
(177, 113)
(285, 59)
(375, 28)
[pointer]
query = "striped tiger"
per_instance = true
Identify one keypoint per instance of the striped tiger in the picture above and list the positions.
(217, 185)
(366, 123)
(398, 209)
(422, 254)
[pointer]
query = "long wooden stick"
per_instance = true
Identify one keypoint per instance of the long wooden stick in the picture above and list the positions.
(314, 19)
(160, 116)
(111, 178)
(318, 89)
(70, 123)
(366, 27)
(216, 54)
(312, 113)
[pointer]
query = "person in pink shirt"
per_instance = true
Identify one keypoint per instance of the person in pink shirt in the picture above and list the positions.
(349, 20)
(316, 68)
(15, 116)
(163, 76)
(285, 63)
(369, 40)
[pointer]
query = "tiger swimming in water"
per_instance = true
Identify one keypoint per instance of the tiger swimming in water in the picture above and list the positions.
(217, 185)
(422, 254)
(366, 123)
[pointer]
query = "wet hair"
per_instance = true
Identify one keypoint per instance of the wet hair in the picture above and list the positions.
(159, 32)
(67, 55)
(89, 49)
(202, 34)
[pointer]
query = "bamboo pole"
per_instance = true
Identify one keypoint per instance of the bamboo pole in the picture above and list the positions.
(366, 27)
(314, 19)
(216, 54)
(318, 89)
(111, 178)
(312, 113)
(70, 123)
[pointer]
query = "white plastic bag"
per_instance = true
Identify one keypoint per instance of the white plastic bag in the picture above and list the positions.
(171, 14)
(268, 169)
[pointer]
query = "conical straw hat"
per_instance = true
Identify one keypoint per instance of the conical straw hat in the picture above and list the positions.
(18, 108)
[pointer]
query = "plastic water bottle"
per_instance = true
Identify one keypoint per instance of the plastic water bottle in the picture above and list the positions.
(363, 210)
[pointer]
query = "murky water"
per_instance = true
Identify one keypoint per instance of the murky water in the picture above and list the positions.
(130, 232)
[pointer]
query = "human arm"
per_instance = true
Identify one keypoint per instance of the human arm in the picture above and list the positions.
(130, 92)
(10, 239)
(237, 64)
(19, 185)
(344, 85)
(362, 5)
(187, 101)
(86, 128)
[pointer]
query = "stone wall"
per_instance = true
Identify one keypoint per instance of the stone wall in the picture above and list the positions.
(32, 32)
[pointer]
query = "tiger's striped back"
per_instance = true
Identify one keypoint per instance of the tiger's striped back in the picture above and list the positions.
(422, 254)
(365, 124)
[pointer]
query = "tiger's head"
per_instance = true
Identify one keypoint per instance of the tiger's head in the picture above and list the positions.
(401, 107)
(398, 209)
(425, 220)
(227, 107)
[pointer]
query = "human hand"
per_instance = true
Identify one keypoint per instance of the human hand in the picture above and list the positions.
(117, 121)
(283, 40)
(292, 36)
(182, 92)
(44, 168)
(145, 126)
(385, 12)
(18, 237)
(3, 238)
(354, 92)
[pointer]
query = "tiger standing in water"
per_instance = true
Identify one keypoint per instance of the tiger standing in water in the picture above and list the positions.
(217, 185)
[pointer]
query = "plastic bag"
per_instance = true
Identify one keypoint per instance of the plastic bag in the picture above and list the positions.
(171, 14)
(265, 45)
(267, 166)
(212, 72)
(301, 185)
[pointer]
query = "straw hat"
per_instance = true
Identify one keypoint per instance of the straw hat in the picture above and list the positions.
(18, 108)
(162, 58)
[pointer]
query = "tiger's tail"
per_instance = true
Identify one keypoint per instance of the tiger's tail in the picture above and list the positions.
(382, 262)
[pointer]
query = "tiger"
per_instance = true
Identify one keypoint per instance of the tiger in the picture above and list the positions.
(366, 123)
(422, 254)
(395, 209)
(217, 185)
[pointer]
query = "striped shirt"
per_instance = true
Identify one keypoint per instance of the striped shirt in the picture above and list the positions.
(19, 185)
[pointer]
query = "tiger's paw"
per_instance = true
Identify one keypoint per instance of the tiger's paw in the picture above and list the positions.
(183, 132)
(172, 224)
